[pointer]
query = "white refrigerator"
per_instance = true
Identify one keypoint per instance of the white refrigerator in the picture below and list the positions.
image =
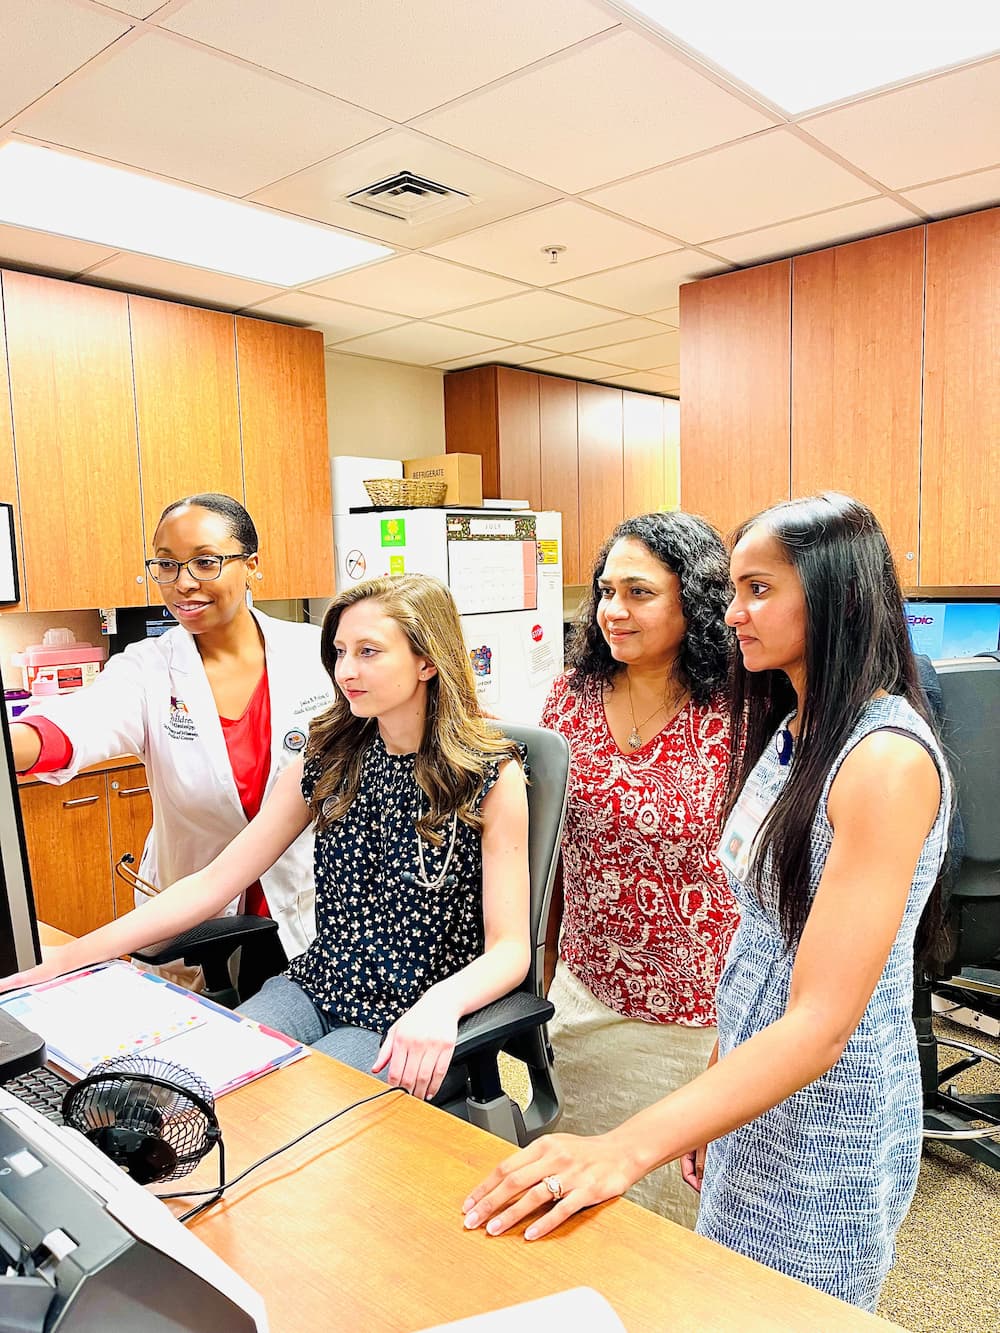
(505, 572)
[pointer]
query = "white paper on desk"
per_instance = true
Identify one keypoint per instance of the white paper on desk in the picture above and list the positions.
(580, 1307)
(114, 1009)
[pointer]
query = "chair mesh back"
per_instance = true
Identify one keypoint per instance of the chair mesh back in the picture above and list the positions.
(971, 691)
(548, 770)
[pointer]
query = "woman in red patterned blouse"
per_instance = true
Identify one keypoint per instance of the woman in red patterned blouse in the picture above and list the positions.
(647, 913)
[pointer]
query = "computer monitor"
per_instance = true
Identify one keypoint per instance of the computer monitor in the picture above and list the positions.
(953, 629)
(18, 926)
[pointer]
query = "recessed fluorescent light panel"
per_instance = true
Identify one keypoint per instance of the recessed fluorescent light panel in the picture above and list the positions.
(70, 196)
(802, 54)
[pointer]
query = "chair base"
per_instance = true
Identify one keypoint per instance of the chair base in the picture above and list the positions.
(948, 1114)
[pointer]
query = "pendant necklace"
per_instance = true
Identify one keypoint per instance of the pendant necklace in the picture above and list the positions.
(633, 740)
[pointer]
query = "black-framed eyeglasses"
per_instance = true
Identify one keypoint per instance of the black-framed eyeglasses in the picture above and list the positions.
(204, 568)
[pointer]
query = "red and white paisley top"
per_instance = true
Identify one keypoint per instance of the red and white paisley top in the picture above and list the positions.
(648, 914)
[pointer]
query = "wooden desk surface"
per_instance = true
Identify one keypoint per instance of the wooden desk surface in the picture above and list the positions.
(359, 1227)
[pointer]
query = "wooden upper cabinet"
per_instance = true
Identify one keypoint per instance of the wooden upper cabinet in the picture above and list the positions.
(735, 372)
(644, 464)
(602, 492)
(671, 453)
(517, 426)
(187, 405)
(73, 411)
(857, 327)
(560, 467)
(286, 459)
(470, 420)
(8, 472)
(960, 495)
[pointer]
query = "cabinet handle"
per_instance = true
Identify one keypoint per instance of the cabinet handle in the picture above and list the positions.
(80, 800)
(131, 791)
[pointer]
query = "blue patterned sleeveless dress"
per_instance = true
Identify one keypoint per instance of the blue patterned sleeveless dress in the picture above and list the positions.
(818, 1186)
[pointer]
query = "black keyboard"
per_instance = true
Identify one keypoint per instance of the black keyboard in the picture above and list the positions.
(41, 1089)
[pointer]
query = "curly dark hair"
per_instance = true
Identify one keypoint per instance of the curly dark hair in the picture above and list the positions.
(692, 549)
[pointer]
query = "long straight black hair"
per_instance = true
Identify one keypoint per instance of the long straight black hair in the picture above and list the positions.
(856, 644)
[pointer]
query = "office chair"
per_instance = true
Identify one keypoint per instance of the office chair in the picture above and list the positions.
(970, 690)
(514, 1024)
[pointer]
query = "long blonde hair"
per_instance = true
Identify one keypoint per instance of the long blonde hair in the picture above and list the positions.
(456, 740)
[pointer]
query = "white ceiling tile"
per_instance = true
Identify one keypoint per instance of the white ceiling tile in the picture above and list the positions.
(842, 224)
(651, 382)
(642, 354)
(516, 355)
(671, 316)
(43, 42)
(140, 9)
(515, 247)
(415, 285)
(22, 247)
(579, 367)
(620, 331)
(318, 192)
(337, 321)
(529, 317)
(612, 108)
(179, 282)
(394, 56)
(958, 195)
(942, 127)
(168, 107)
(641, 288)
(747, 185)
(419, 344)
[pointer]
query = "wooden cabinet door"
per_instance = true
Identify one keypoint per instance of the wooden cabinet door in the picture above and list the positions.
(644, 473)
(518, 427)
(8, 472)
(73, 410)
(286, 460)
(602, 499)
(470, 420)
(671, 453)
(857, 317)
(187, 406)
(559, 460)
(130, 817)
(735, 373)
(66, 831)
(960, 484)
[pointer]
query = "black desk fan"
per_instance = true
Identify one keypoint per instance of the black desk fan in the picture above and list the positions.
(154, 1119)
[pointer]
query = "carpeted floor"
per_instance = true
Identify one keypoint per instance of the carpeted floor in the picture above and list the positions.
(947, 1273)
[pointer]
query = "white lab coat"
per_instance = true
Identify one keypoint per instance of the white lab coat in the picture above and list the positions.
(154, 701)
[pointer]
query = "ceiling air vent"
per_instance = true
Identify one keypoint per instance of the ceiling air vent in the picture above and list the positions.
(410, 198)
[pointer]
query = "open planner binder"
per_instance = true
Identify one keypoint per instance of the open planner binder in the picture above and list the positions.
(115, 1009)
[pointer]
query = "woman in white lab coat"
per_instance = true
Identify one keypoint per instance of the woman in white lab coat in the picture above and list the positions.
(215, 708)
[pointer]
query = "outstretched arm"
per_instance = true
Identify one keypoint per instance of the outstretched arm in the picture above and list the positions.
(882, 804)
(194, 898)
(418, 1047)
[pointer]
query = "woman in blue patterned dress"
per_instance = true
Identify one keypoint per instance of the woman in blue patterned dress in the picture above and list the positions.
(834, 841)
(421, 849)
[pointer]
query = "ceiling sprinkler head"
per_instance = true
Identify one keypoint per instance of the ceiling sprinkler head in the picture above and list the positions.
(553, 252)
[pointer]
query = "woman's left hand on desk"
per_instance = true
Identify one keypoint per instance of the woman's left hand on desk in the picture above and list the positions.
(55, 962)
(418, 1047)
(563, 1171)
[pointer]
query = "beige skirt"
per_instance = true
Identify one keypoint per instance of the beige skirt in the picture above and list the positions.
(609, 1067)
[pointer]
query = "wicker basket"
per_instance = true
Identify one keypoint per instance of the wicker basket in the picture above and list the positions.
(404, 492)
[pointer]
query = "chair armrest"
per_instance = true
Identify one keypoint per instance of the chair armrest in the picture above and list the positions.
(492, 1025)
(207, 939)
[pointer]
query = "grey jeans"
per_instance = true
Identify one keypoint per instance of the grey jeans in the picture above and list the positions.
(283, 1005)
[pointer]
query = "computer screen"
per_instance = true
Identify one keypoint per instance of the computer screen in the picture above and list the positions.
(18, 927)
(953, 629)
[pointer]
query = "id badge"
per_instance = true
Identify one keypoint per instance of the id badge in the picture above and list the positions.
(742, 827)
